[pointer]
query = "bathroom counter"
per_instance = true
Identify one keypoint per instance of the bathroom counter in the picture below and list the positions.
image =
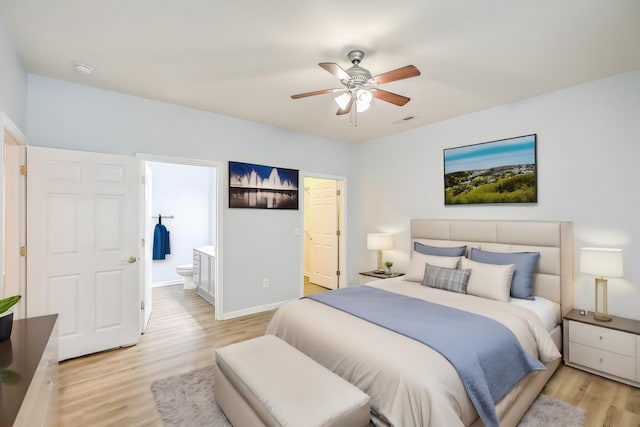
(207, 250)
(204, 272)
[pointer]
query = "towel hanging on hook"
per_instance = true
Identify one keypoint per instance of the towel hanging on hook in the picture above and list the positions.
(161, 245)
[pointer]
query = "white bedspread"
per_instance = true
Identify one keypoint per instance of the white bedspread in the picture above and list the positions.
(410, 384)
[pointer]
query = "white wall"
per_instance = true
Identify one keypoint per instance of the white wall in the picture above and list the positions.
(588, 152)
(13, 108)
(257, 243)
(182, 191)
(13, 82)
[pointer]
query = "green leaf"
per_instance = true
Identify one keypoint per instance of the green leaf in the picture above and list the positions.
(7, 303)
(9, 377)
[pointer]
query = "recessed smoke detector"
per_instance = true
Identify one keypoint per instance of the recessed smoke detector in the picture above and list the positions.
(404, 120)
(83, 68)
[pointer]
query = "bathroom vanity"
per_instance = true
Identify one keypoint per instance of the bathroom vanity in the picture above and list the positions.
(204, 272)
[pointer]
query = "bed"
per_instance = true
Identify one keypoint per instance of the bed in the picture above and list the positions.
(411, 383)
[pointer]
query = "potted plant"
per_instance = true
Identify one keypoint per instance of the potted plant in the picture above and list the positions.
(388, 264)
(6, 316)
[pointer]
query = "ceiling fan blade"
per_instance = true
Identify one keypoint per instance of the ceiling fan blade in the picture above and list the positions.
(317, 92)
(398, 74)
(347, 108)
(336, 70)
(391, 97)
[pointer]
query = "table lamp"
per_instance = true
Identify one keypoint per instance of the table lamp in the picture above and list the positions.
(601, 262)
(379, 242)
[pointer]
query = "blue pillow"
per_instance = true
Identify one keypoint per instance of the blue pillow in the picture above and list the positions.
(439, 251)
(525, 268)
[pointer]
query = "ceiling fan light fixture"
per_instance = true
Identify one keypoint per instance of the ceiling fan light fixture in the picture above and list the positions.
(362, 107)
(363, 100)
(343, 100)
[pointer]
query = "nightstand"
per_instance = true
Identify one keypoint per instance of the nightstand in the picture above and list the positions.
(609, 349)
(370, 276)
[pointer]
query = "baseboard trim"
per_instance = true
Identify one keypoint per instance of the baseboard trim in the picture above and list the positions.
(167, 283)
(253, 310)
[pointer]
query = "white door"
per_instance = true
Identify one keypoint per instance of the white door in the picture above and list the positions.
(82, 247)
(13, 222)
(147, 252)
(323, 257)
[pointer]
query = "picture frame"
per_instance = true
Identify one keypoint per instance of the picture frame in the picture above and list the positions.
(494, 172)
(254, 186)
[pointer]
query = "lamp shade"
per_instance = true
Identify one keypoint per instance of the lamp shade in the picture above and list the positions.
(603, 262)
(379, 241)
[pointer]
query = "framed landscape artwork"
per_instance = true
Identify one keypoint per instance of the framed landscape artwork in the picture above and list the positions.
(262, 187)
(502, 171)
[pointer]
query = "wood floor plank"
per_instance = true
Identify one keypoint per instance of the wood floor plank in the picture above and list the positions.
(114, 387)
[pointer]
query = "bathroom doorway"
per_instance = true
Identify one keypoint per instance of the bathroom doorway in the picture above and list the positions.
(324, 234)
(183, 196)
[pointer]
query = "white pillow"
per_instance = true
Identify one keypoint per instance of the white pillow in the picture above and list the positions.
(418, 263)
(488, 280)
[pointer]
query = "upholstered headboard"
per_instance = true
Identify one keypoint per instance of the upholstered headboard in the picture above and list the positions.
(554, 240)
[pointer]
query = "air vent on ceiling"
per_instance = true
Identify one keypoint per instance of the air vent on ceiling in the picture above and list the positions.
(404, 120)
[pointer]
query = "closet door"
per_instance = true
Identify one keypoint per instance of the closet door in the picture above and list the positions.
(82, 247)
(324, 226)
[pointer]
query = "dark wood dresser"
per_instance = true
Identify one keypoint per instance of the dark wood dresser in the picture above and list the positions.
(29, 369)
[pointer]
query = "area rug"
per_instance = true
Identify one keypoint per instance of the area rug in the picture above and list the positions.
(187, 400)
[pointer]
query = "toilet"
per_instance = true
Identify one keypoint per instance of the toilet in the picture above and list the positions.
(186, 271)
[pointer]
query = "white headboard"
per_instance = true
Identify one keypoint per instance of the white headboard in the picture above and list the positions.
(554, 241)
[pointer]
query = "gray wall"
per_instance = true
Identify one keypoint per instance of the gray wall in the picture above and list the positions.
(257, 243)
(13, 82)
(588, 150)
(13, 105)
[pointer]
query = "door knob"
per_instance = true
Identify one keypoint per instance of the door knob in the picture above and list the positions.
(132, 259)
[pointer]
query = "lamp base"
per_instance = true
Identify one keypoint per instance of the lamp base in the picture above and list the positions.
(601, 317)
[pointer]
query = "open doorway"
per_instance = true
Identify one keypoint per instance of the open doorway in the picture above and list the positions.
(14, 204)
(183, 196)
(323, 234)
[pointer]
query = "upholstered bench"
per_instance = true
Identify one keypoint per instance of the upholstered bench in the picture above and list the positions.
(266, 382)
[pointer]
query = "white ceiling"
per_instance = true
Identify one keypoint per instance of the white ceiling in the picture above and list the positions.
(245, 58)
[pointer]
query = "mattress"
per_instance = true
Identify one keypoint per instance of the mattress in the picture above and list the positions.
(409, 383)
(548, 311)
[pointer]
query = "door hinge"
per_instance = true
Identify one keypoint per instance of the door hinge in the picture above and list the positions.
(337, 272)
(337, 232)
(142, 181)
(337, 192)
(142, 243)
(141, 305)
(23, 170)
(23, 251)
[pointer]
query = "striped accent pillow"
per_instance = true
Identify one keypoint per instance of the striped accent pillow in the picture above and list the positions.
(449, 279)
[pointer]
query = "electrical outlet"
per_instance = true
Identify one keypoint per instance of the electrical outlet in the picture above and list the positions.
(266, 283)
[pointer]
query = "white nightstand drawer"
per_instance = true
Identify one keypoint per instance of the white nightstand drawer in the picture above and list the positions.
(605, 361)
(638, 359)
(602, 338)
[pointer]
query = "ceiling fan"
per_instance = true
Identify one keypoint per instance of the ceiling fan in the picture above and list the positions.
(360, 87)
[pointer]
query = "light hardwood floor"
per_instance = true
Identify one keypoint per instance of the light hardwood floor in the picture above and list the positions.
(312, 288)
(113, 388)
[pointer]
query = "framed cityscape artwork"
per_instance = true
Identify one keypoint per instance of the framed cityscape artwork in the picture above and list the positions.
(262, 187)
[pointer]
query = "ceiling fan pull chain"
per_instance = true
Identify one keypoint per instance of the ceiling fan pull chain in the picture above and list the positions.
(353, 117)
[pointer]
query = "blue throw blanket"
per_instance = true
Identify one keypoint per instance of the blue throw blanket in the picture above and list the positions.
(486, 354)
